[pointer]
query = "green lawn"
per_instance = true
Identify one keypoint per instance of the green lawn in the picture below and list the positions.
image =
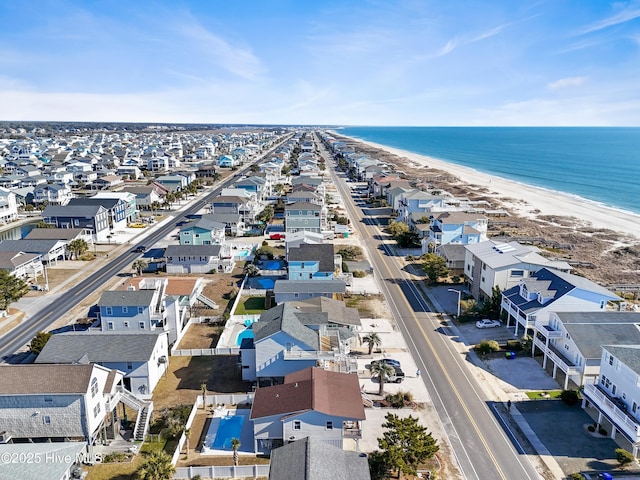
(540, 395)
(124, 471)
(250, 306)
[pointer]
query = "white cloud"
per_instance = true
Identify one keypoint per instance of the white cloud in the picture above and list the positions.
(238, 60)
(566, 83)
(627, 14)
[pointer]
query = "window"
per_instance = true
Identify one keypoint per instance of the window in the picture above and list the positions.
(141, 325)
(110, 326)
(289, 346)
(94, 387)
(484, 266)
(296, 425)
(48, 398)
(76, 222)
(329, 425)
(125, 309)
(140, 310)
(603, 304)
(96, 410)
(634, 407)
(614, 389)
(129, 365)
(46, 420)
(517, 273)
(126, 324)
(610, 359)
(109, 311)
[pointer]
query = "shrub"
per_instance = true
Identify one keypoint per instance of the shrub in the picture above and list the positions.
(345, 267)
(487, 346)
(576, 476)
(400, 399)
(514, 345)
(359, 274)
(591, 428)
(570, 397)
(623, 457)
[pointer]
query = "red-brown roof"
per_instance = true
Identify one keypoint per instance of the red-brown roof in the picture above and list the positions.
(331, 393)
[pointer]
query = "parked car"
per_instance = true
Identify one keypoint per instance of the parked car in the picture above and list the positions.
(391, 361)
(486, 323)
(140, 249)
(398, 375)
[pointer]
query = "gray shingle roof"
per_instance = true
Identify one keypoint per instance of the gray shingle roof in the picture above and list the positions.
(313, 459)
(306, 252)
(28, 246)
(193, 250)
(128, 298)
(53, 234)
(42, 379)
(309, 286)
(283, 318)
(629, 355)
(85, 211)
(99, 347)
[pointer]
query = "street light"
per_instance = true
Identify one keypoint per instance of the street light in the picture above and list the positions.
(459, 292)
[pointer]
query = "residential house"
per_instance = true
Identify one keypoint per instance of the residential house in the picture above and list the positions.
(57, 402)
(106, 182)
(21, 264)
(237, 205)
(52, 194)
(314, 403)
(64, 234)
(546, 291)
(303, 216)
(234, 224)
(312, 459)
(181, 297)
(204, 231)
(296, 335)
(256, 185)
(133, 310)
(142, 356)
(419, 202)
(129, 200)
(291, 290)
(455, 227)
(8, 206)
(572, 341)
(312, 262)
(227, 161)
(616, 396)
(145, 196)
(49, 250)
(92, 217)
(294, 240)
(116, 209)
(454, 255)
(493, 263)
(199, 258)
(174, 182)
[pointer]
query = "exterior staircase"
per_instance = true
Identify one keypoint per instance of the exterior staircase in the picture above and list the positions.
(207, 301)
(142, 422)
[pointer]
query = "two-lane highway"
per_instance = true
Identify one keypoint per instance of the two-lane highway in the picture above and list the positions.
(481, 447)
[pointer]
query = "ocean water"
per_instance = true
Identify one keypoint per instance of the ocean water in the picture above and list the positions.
(600, 164)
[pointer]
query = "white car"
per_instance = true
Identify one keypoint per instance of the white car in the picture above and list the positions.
(486, 323)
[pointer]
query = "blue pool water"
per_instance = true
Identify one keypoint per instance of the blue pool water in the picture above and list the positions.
(271, 265)
(228, 428)
(246, 333)
(242, 253)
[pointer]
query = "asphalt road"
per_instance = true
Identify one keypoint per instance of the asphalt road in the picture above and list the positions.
(481, 447)
(20, 336)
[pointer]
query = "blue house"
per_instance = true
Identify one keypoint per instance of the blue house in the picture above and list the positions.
(311, 262)
(226, 161)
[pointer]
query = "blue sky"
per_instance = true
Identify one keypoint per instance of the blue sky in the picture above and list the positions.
(338, 62)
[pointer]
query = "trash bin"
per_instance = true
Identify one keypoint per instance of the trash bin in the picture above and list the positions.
(510, 355)
(345, 234)
(605, 476)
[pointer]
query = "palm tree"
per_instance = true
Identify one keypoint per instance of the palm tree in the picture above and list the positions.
(155, 206)
(373, 340)
(157, 466)
(187, 434)
(203, 387)
(139, 265)
(235, 445)
(77, 247)
(383, 371)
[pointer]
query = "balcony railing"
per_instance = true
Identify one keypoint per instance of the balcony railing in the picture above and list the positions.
(622, 420)
(564, 365)
(548, 332)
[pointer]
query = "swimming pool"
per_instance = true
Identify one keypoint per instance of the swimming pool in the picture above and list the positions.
(221, 431)
(242, 253)
(246, 333)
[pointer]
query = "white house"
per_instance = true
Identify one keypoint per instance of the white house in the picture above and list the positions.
(492, 264)
(56, 402)
(616, 396)
(8, 206)
(143, 357)
(571, 341)
(547, 291)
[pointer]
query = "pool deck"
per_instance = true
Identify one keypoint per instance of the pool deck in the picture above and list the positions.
(246, 433)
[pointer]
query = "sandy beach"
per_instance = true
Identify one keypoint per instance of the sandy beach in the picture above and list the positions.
(528, 201)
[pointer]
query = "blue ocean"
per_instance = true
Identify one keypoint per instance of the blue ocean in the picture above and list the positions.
(600, 164)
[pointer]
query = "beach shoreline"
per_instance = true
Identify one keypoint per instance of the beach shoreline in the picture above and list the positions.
(525, 200)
